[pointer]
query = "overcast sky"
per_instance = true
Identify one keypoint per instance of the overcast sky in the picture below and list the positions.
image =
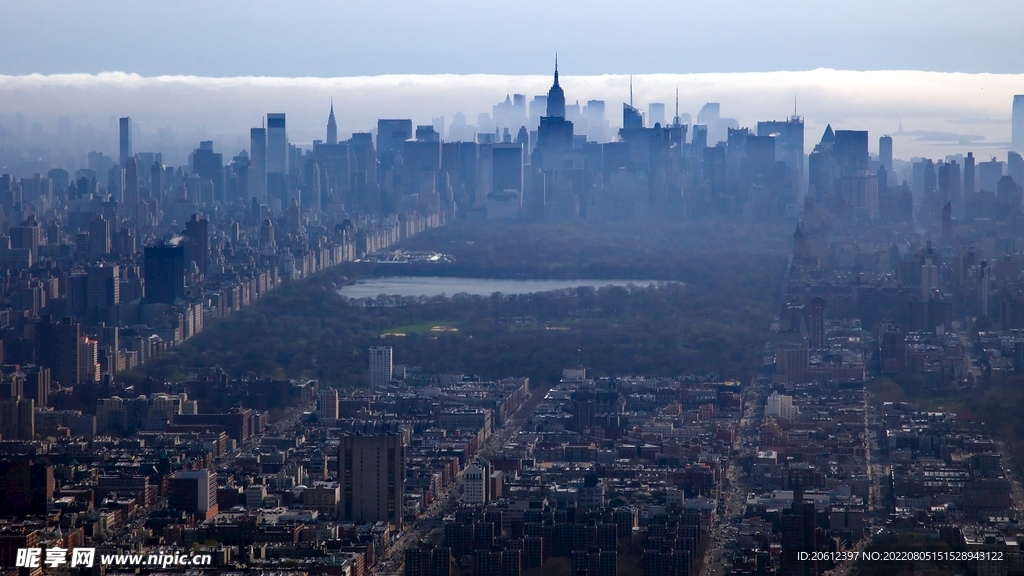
(346, 38)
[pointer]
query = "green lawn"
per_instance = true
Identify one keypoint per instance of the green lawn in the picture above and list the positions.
(422, 328)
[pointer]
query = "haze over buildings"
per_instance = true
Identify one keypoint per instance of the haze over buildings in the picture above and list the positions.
(74, 111)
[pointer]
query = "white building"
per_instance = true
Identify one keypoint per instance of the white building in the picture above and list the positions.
(381, 367)
(782, 406)
(474, 482)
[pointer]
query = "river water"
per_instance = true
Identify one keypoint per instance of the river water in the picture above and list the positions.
(437, 285)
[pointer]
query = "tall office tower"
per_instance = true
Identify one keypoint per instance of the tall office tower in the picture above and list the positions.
(885, 153)
(381, 367)
(631, 117)
(507, 169)
(125, 125)
(970, 184)
(115, 183)
(332, 127)
(1017, 128)
(164, 271)
(371, 469)
(193, 491)
(57, 348)
(156, 180)
(851, 151)
(277, 144)
(131, 180)
(209, 166)
(88, 360)
(258, 169)
(392, 134)
(816, 322)
(327, 404)
(197, 242)
(103, 287)
(656, 114)
(789, 147)
(99, 238)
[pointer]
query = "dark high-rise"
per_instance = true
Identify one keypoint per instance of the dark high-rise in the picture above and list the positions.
(851, 151)
(258, 166)
(209, 166)
(885, 153)
(277, 144)
(507, 168)
(57, 348)
(197, 242)
(554, 135)
(164, 274)
(125, 134)
(969, 179)
(392, 134)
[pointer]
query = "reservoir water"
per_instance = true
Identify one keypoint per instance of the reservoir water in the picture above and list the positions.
(437, 285)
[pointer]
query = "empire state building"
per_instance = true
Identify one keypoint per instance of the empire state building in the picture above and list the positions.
(554, 135)
(556, 98)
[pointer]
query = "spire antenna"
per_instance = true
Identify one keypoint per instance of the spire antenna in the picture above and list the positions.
(630, 90)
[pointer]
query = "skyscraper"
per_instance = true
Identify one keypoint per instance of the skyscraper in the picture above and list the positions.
(99, 238)
(507, 169)
(332, 127)
(372, 473)
(392, 134)
(209, 166)
(125, 129)
(969, 179)
(1017, 124)
(554, 135)
(851, 151)
(277, 144)
(381, 368)
(556, 98)
(164, 273)
(885, 153)
(258, 168)
(197, 242)
(131, 180)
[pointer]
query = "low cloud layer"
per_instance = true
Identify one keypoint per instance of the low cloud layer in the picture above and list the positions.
(941, 113)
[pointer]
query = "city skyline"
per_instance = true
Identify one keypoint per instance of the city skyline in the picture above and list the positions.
(176, 112)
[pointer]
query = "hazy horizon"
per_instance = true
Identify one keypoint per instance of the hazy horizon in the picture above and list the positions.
(941, 113)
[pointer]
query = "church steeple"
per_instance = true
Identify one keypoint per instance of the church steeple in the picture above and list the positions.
(556, 98)
(332, 126)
